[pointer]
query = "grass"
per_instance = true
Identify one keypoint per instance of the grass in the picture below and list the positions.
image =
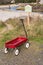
(37, 29)
(9, 36)
(36, 39)
(1, 25)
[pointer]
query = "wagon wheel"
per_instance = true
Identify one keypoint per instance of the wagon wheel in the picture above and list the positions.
(27, 45)
(6, 50)
(16, 51)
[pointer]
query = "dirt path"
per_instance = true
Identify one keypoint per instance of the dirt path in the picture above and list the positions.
(31, 56)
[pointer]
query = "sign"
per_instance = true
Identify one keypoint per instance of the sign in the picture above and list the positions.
(28, 8)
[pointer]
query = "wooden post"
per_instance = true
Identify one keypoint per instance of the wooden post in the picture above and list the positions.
(28, 21)
(28, 10)
(28, 18)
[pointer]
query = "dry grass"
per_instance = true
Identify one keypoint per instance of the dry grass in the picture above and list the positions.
(36, 27)
(35, 32)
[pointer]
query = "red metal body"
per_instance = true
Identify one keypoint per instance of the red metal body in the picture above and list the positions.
(16, 42)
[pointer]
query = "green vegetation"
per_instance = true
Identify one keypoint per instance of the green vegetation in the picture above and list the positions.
(2, 25)
(36, 39)
(35, 33)
(16, 1)
(24, 1)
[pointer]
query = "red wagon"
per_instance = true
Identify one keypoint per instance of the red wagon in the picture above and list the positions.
(17, 42)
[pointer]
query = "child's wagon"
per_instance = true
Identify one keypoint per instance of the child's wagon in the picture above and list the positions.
(17, 42)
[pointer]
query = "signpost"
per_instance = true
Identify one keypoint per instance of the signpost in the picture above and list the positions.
(28, 10)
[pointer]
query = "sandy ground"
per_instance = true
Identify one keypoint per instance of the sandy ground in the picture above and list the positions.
(5, 15)
(31, 56)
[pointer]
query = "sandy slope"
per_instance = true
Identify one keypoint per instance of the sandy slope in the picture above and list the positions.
(5, 15)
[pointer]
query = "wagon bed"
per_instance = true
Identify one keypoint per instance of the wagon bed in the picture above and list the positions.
(15, 42)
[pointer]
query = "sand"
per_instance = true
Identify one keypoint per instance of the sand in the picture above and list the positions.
(6, 14)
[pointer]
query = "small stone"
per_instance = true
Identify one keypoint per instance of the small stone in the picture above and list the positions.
(39, 59)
